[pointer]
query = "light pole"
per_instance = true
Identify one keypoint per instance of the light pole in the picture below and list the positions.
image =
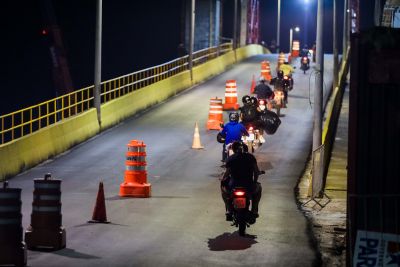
(97, 64)
(296, 29)
(278, 27)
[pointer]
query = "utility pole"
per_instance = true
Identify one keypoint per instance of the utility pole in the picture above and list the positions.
(97, 59)
(191, 37)
(345, 18)
(318, 94)
(278, 27)
(235, 28)
(335, 50)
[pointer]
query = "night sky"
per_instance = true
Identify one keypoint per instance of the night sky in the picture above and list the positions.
(136, 35)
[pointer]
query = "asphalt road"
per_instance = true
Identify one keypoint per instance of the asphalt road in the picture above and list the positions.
(183, 222)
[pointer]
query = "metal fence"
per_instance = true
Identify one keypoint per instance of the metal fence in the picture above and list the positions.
(28, 120)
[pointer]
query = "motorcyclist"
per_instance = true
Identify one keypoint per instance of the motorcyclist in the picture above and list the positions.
(279, 84)
(241, 171)
(262, 90)
(232, 131)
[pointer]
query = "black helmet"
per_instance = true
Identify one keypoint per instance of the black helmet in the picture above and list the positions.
(246, 99)
(221, 138)
(238, 147)
(233, 117)
(253, 100)
(280, 74)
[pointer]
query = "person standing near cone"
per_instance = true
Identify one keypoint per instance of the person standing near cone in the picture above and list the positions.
(232, 131)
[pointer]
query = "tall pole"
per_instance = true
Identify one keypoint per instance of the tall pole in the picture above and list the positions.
(290, 40)
(335, 50)
(191, 37)
(278, 27)
(235, 25)
(345, 17)
(318, 94)
(97, 64)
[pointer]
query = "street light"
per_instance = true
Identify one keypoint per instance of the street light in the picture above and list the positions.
(296, 29)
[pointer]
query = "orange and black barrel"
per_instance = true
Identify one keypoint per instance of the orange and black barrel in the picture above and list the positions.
(46, 231)
(135, 178)
(12, 246)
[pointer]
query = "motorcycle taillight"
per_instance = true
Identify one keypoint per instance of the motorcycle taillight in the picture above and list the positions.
(239, 193)
(251, 128)
(261, 102)
(285, 77)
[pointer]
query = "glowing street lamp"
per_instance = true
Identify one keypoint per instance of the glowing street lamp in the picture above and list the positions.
(296, 29)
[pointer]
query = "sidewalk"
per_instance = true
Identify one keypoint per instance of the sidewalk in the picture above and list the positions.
(328, 220)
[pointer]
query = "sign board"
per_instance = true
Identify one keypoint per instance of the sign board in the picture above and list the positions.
(376, 249)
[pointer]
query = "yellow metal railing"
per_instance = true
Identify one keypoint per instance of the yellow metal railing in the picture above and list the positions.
(28, 120)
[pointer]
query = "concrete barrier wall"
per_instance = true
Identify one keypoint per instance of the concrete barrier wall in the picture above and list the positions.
(332, 115)
(30, 150)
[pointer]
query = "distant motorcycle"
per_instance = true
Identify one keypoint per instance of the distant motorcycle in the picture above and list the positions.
(241, 202)
(278, 101)
(305, 64)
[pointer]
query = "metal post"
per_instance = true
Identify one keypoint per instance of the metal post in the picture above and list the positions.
(318, 94)
(335, 50)
(218, 24)
(345, 16)
(235, 26)
(97, 65)
(290, 40)
(278, 27)
(191, 38)
(377, 13)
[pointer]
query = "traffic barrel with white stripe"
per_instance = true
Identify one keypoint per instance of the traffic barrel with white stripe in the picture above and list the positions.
(295, 49)
(135, 179)
(46, 231)
(266, 70)
(215, 114)
(12, 246)
(231, 96)
(281, 60)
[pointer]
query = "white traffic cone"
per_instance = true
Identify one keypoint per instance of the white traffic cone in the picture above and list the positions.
(196, 138)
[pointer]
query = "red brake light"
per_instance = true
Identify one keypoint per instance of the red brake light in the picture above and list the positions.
(239, 193)
(285, 77)
(261, 102)
(251, 128)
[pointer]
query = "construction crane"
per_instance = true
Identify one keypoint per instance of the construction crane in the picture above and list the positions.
(61, 74)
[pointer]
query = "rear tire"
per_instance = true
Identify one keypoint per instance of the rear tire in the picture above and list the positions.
(242, 229)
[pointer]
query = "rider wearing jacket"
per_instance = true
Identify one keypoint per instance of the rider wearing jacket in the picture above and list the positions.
(241, 171)
(232, 131)
(262, 90)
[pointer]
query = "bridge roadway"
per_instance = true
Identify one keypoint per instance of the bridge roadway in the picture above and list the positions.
(183, 223)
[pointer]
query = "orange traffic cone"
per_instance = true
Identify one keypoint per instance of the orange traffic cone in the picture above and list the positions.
(215, 114)
(281, 60)
(231, 96)
(135, 178)
(266, 70)
(196, 138)
(99, 212)
(253, 85)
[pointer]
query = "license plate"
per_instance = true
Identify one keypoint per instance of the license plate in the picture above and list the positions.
(250, 137)
(239, 203)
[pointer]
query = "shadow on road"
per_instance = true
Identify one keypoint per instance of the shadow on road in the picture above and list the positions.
(231, 241)
(71, 253)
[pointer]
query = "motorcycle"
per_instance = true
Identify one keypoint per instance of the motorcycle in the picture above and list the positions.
(305, 64)
(253, 140)
(278, 101)
(242, 216)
